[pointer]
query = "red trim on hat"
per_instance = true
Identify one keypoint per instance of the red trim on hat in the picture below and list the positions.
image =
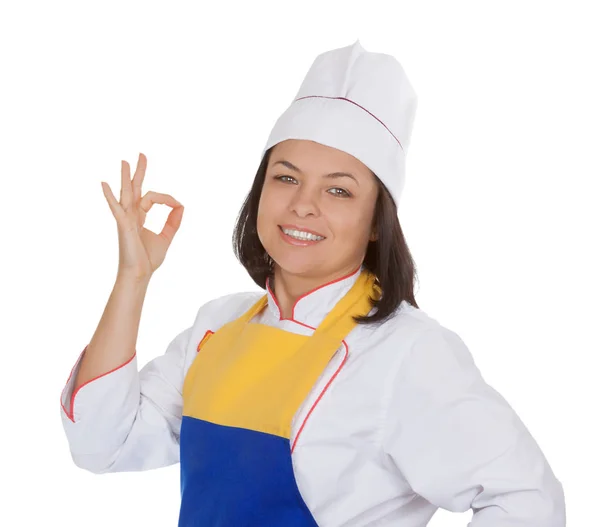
(345, 99)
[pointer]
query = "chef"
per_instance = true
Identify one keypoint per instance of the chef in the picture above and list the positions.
(330, 398)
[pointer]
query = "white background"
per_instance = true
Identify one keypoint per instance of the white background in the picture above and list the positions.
(500, 208)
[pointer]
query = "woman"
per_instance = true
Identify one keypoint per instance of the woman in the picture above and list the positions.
(332, 399)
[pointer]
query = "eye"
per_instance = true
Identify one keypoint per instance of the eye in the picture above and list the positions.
(341, 194)
(285, 179)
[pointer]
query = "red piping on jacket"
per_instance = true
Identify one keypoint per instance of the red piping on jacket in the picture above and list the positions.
(310, 327)
(355, 103)
(305, 295)
(321, 395)
(324, 389)
(209, 333)
(75, 392)
(204, 339)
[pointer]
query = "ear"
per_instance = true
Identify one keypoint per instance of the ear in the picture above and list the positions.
(373, 237)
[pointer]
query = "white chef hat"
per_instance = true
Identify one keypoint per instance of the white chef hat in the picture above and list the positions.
(359, 102)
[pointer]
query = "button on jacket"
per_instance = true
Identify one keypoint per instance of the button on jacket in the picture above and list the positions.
(399, 423)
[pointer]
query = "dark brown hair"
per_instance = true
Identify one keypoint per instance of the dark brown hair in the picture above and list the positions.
(388, 258)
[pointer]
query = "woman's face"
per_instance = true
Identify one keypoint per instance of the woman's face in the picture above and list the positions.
(305, 192)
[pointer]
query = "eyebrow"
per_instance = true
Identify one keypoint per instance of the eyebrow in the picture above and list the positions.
(289, 165)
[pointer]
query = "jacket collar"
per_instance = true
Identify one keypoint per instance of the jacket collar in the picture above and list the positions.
(310, 309)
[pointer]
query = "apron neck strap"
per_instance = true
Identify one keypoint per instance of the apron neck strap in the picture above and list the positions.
(356, 302)
(339, 321)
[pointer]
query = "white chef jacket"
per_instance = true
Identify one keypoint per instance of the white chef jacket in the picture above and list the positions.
(400, 423)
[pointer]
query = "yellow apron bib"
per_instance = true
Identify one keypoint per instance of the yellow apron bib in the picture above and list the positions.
(240, 396)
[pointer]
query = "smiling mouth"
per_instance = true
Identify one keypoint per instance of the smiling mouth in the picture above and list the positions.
(302, 236)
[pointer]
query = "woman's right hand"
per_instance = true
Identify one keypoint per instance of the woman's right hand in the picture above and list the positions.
(141, 251)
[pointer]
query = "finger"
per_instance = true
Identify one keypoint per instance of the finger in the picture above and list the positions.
(138, 177)
(126, 196)
(172, 224)
(151, 198)
(112, 201)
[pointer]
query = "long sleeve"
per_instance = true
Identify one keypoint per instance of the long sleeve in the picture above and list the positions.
(461, 446)
(125, 420)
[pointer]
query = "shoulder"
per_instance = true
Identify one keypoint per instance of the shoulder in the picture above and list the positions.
(221, 310)
(404, 327)
(417, 344)
(433, 355)
(410, 322)
(214, 314)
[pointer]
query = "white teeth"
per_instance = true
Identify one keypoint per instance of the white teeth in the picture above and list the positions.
(301, 235)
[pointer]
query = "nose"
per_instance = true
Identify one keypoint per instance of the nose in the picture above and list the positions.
(304, 202)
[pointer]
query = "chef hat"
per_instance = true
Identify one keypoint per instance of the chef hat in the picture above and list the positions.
(359, 102)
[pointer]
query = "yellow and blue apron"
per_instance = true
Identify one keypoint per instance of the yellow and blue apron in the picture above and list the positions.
(240, 395)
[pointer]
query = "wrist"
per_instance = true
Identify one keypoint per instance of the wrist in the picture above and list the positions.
(131, 279)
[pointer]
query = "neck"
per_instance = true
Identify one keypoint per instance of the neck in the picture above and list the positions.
(289, 287)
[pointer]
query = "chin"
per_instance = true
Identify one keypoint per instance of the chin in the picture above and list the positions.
(298, 265)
